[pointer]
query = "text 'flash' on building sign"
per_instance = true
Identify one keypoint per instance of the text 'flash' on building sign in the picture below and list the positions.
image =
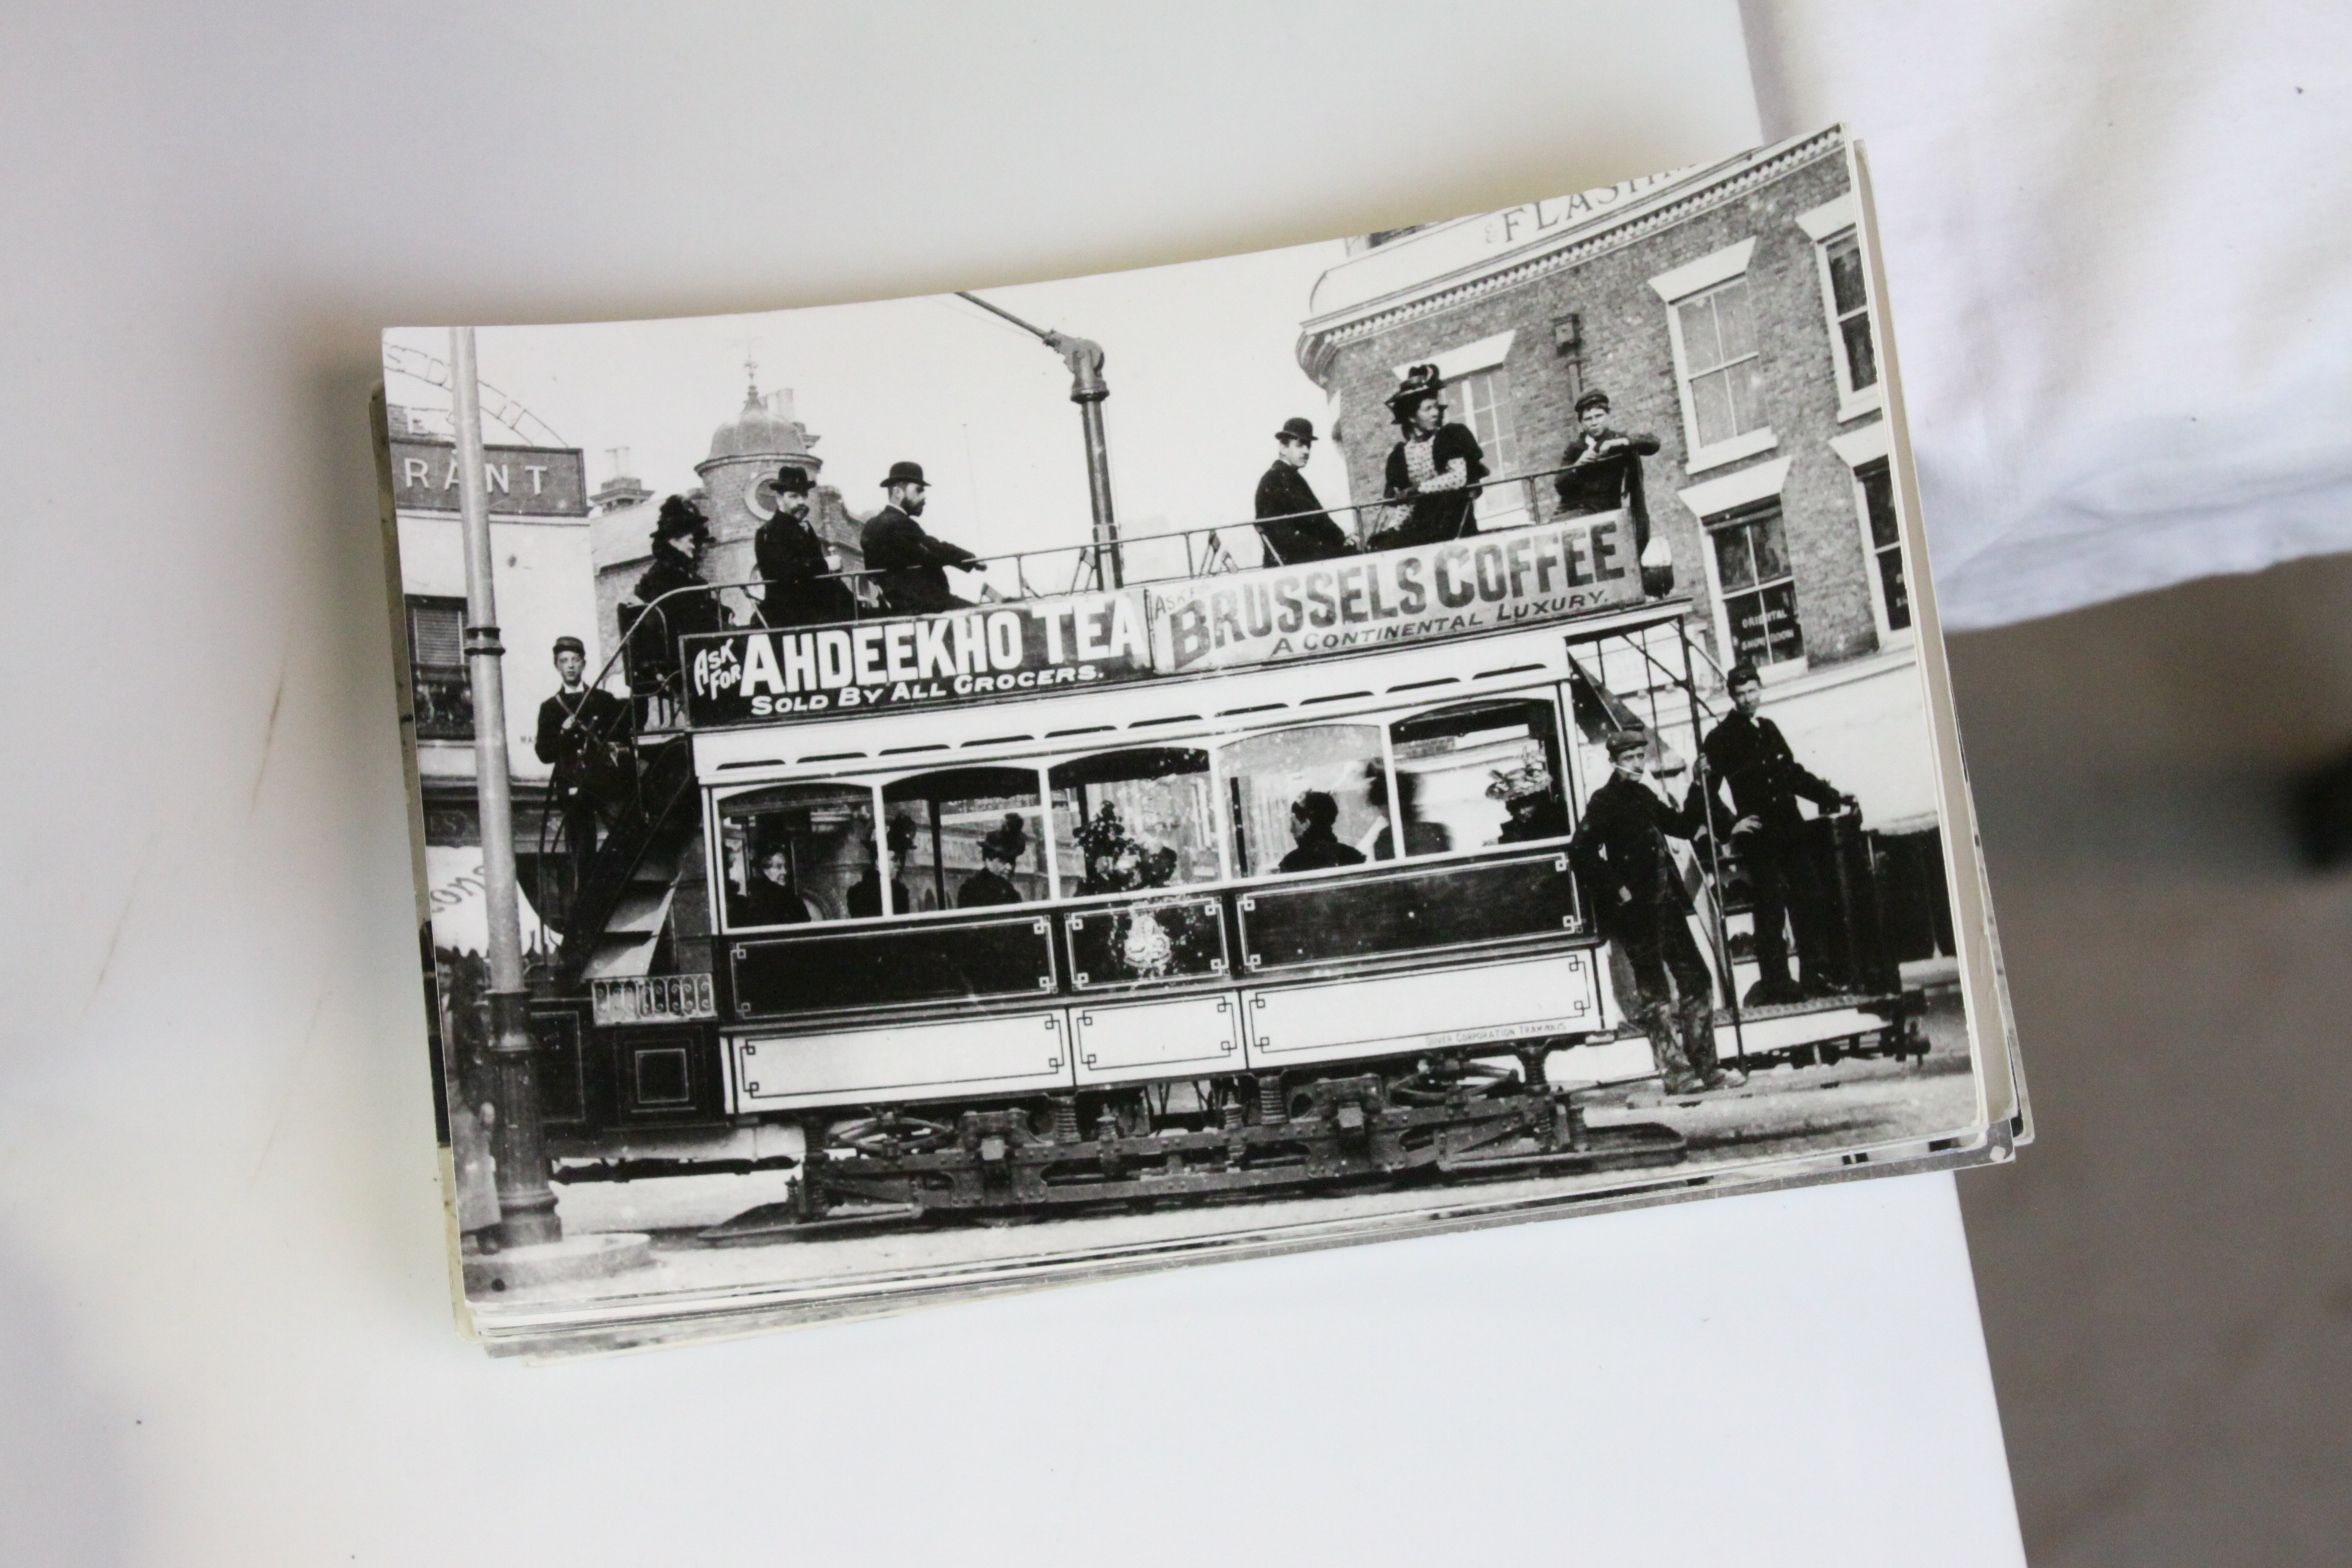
(1011, 650)
(1524, 575)
(523, 481)
(1530, 219)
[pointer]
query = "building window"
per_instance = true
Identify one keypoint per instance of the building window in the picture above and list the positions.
(1845, 296)
(1849, 314)
(1757, 590)
(1877, 485)
(1718, 370)
(443, 698)
(1480, 401)
(1719, 363)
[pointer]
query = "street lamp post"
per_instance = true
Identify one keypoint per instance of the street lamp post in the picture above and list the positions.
(518, 1141)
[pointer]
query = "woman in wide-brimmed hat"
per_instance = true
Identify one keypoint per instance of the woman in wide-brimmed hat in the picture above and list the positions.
(672, 609)
(1434, 469)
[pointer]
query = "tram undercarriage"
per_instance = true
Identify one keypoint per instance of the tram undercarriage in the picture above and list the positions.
(1441, 1116)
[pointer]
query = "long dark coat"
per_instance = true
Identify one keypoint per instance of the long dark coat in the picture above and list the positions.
(1283, 490)
(1629, 877)
(653, 641)
(1447, 514)
(911, 562)
(801, 590)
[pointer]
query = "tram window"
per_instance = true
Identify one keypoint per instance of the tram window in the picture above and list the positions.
(1479, 775)
(1133, 819)
(978, 837)
(796, 853)
(1307, 799)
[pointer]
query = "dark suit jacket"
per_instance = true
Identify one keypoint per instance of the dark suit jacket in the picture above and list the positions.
(1284, 490)
(1320, 851)
(800, 588)
(1629, 878)
(910, 562)
(984, 889)
(1608, 483)
(1753, 758)
(765, 903)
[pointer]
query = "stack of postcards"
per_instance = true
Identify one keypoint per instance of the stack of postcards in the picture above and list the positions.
(930, 797)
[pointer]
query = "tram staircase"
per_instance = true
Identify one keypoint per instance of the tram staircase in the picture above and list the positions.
(624, 903)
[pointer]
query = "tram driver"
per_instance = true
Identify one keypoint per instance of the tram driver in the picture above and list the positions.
(1747, 752)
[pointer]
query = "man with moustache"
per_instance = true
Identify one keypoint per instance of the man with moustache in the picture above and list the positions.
(909, 560)
(801, 589)
(1291, 521)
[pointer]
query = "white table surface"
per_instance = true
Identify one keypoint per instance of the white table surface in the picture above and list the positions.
(224, 1333)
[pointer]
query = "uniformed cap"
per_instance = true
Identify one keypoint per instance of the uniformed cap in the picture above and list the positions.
(1592, 400)
(1741, 674)
(794, 481)
(1626, 742)
(564, 645)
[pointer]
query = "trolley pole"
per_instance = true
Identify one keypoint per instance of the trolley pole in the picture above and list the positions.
(518, 1141)
(1088, 390)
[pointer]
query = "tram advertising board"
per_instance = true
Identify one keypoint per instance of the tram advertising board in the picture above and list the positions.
(1029, 647)
(1520, 576)
(1036, 647)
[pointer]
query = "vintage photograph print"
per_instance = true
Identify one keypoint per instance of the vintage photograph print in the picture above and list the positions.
(933, 795)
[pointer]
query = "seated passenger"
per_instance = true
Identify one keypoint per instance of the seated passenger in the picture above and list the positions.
(1318, 848)
(1291, 521)
(1532, 799)
(1000, 851)
(865, 894)
(1422, 837)
(1433, 471)
(1116, 861)
(769, 900)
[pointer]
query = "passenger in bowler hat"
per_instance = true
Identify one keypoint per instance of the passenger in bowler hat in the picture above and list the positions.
(908, 559)
(1291, 521)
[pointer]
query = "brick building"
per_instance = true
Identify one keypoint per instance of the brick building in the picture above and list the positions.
(1726, 310)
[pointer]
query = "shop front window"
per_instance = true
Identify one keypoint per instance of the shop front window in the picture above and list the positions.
(1306, 799)
(1480, 775)
(977, 838)
(795, 854)
(437, 683)
(1131, 820)
(1759, 589)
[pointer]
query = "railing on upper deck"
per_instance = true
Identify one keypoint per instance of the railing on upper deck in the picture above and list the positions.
(1176, 556)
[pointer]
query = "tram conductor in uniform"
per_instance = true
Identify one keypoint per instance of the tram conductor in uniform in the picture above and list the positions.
(1291, 521)
(1747, 753)
(800, 588)
(581, 729)
(1640, 904)
(910, 562)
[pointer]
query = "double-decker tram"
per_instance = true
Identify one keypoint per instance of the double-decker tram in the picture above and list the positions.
(1218, 885)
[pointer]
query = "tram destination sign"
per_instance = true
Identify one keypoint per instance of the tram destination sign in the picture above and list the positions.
(1022, 649)
(1524, 575)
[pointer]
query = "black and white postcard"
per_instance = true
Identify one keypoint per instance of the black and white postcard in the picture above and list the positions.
(931, 796)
